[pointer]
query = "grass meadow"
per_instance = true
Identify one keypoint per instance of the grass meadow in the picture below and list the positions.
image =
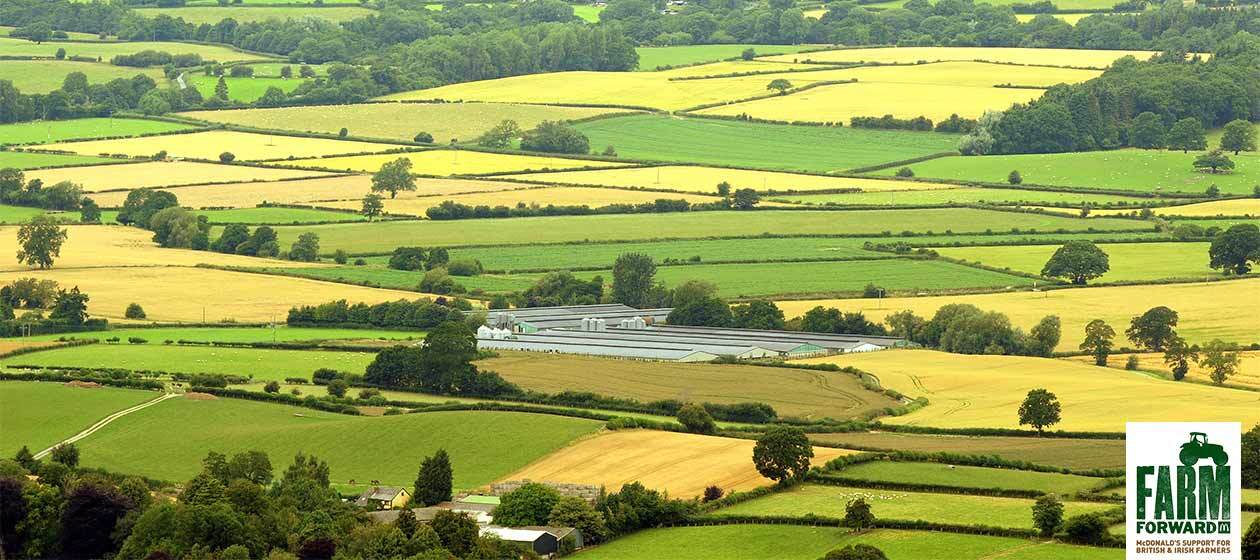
(942, 474)
(960, 196)
(702, 179)
(1247, 376)
(593, 197)
(768, 146)
(178, 433)
(653, 58)
(243, 89)
(792, 392)
(107, 50)
(240, 334)
(985, 391)
(38, 132)
(278, 215)
(452, 162)
(208, 145)
(28, 160)
(385, 277)
(1129, 170)
(260, 364)
(248, 14)
(399, 121)
(38, 415)
(961, 509)
(1058, 452)
(43, 76)
(250, 194)
(1077, 58)
(795, 542)
(17, 214)
(148, 174)
(1128, 261)
(383, 237)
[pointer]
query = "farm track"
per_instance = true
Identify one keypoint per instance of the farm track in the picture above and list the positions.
(104, 422)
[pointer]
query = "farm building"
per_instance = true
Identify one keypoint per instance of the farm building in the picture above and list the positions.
(477, 511)
(384, 498)
(541, 540)
(533, 319)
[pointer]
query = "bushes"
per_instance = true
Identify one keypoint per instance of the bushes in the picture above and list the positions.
(147, 58)
(402, 314)
(134, 311)
(451, 210)
(888, 122)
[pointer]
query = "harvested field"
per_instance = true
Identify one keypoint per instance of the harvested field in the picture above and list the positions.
(245, 195)
(163, 174)
(37, 414)
(1057, 452)
(792, 392)
(1128, 261)
(559, 196)
(259, 364)
(681, 464)
(43, 76)
(208, 145)
(400, 121)
(1248, 374)
(842, 102)
(35, 132)
(8, 345)
(165, 293)
(1207, 310)
(1078, 58)
(985, 391)
(1249, 207)
(965, 195)
(700, 179)
(453, 162)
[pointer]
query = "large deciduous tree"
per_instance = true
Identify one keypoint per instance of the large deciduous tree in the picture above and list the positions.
(1187, 134)
(633, 275)
(1153, 329)
(40, 241)
(1234, 250)
(1040, 409)
(1239, 136)
(394, 176)
(783, 453)
(1098, 340)
(1079, 261)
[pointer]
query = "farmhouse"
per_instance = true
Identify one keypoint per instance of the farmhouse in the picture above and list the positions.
(478, 512)
(384, 498)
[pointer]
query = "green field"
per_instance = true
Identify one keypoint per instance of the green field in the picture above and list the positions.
(1129, 261)
(24, 160)
(961, 509)
(178, 433)
(240, 334)
(767, 146)
(804, 278)
(38, 415)
(383, 277)
(260, 364)
(107, 50)
(246, 90)
(276, 215)
(383, 237)
(588, 13)
(960, 196)
(243, 14)
(794, 542)
(17, 214)
(36, 132)
(1131, 170)
(652, 58)
(970, 477)
(1057, 452)
(43, 76)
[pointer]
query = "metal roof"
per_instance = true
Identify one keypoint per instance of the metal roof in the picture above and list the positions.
(611, 338)
(826, 340)
(587, 348)
(652, 337)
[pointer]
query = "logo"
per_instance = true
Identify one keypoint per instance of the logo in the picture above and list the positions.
(1182, 491)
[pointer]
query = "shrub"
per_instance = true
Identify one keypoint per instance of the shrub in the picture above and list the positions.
(1087, 528)
(711, 493)
(134, 311)
(337, 388)
(272, 387)
(1131, 363)
(344, 132)
(464, 267)
(340, 256)
(1014, 178)
(136, 340)
(696, 419)
(227, 157)
(905, 172)
(424, 137)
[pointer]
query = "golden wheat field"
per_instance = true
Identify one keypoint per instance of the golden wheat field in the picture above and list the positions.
(682, 464)
(1079, 58)
(730, 67)
(209, 145)
(1225, 310)
(452, 162)
(985, 391)
(1248, 374)
(701, 179)
(163, 174)
(193, 295)
(88, 247)
(558, 196)
(400, 121)
(1232, 207)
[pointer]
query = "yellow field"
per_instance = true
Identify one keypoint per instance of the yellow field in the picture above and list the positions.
(1225, 310)
(1248, 369)
(559, 196)
(681, 464)
(1079, 58)
(453, 162)
(1233, 207)
(162, 174)
(1070, 19)
(188, 295)
(734, 67)
(208, 145)
(89, 247)
(985, 391)
(700, 179)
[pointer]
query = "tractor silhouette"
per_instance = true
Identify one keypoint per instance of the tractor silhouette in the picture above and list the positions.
(1198, 449)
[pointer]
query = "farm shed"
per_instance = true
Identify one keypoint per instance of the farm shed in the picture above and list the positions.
(542, 540)
(383, 497)
(533, 319)
(596, 348)
(618, 338)
(478, 512)
(834, 342)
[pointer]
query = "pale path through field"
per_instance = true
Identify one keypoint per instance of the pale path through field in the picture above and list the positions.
(104, 422)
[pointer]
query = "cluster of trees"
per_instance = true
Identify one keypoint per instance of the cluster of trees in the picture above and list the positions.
(966, 329)
(1156, 331)
(418, 258)
(76, 98)
(441, 365)
(451, 210)
(631, 508)
(146, 58)
(417, 314)
(16, 190)
(66, 309)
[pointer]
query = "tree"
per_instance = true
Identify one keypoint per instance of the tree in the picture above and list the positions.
(1098, 341)
(708, 311)
(221, 89)
(1077, 260)
(748, 54)
(1187, 134)
(25, 458)
(1214, 161)
(783, 453)
(134, 311)
(745, 199)
(1235, 249)
(39, 242)
(89, 211)
(181, 228)
(92, 511)
(1221, 359)
(1087, 528)
(1178, 355)
(1040, 410)
(1015, 178)
(1043, 337)
(66, 454)
(696, 419)
(70, 307)
(457, 531)
(530, 504)
(1147, 131)
(1047, 515)
(712, 493)
(757, 314)
(141, 204)
(272, 387)
(1154, 329)
(373, 206)
(232, 237)
(572, 511)
(338, 387)
(856, 552)
(500, 135)
(780, 85)
(555, 137)
(393, 177)
(1251, 540)
(633, 275)
(1239, 135)
(857, 514)
(423, 138)
(306, 248)
(434, 480)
